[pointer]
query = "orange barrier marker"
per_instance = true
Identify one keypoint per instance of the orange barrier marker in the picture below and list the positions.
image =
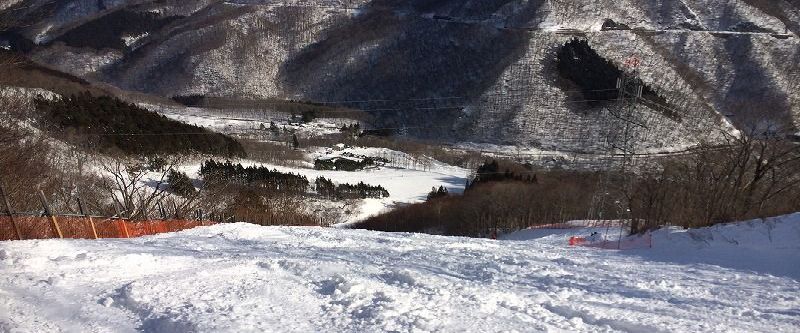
(55, 225)
(94, 229)
(50, 213)
(125, 228)
(86, 214)
(573, 241)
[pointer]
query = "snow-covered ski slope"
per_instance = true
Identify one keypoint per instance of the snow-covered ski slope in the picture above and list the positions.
(245, 278)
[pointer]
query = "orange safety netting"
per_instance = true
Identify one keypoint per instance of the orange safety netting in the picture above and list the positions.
(34, 227)
(574, 240)
(626, 243)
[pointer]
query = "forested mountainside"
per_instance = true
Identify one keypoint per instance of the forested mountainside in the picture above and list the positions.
(533, 73)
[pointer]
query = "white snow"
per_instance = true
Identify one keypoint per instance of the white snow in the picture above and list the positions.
(246, 122)
(27, 94)
(408, 178)
(405, 186)
(766, 246)
(246, 278)
(130, 40)
(8, 3)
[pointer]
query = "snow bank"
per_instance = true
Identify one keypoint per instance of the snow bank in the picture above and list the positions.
(239, 277)
(770, 246)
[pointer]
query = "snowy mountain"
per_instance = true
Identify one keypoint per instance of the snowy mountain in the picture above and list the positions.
(481, 71)
(735, 278)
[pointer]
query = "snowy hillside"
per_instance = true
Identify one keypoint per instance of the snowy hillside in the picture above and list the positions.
(480, 71)
(243, 278)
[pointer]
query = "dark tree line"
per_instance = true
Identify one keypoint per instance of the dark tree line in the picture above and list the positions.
(256, 176)
(750, 177)
(109, 124)
(326, 188)
(345, 164)
(191, 100)
(596, 77)
(505, 201)
(107, 31)
(353, 129)
(493, 172)
(302, 111)
(435, 193)
(609, 24)
(179, 183)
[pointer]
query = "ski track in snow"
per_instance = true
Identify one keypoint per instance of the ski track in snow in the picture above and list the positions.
(246, 278)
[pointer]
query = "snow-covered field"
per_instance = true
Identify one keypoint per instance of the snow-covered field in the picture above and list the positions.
(409, 183)
(405, 186)
(246, 121)
(246, 278)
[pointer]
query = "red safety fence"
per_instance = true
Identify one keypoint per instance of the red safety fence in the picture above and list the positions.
(576, 241)
(579, 224)
(34, 227)
(626, 243)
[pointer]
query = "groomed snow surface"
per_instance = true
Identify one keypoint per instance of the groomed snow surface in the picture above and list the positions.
(245, 278)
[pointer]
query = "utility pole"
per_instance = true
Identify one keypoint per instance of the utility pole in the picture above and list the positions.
(621, 139)
(630, 91)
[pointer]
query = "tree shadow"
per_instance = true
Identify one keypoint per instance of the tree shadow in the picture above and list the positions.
(754, 101)
(405, 59)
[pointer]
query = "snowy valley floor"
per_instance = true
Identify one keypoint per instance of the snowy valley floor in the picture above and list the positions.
(245, 278)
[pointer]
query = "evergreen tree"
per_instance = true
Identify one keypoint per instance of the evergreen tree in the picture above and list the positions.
(180, 184)
(111, 125)
(274, 128)
(437, 193)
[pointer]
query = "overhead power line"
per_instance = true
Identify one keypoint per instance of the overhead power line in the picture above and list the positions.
(389, 100)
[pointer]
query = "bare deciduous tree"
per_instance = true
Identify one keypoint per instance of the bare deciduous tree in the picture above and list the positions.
(133, 186)
(753, 174)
